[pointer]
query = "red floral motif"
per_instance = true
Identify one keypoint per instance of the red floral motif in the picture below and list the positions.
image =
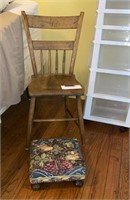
(49, 167)
(53, 167)
(65, 164)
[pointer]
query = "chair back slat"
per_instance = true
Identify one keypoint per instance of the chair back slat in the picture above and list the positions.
(57, 62)
(53, 45)
(49, 22)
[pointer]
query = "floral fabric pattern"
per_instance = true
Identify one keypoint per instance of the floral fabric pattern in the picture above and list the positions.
(56, 160)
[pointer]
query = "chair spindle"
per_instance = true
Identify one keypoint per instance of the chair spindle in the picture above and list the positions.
(56, 62)
(42, 62)
(63, 61)
(49, 61)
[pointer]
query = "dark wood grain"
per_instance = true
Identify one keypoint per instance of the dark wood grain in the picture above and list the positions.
(106, 149)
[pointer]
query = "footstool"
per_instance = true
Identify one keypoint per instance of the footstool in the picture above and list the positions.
(55, 160)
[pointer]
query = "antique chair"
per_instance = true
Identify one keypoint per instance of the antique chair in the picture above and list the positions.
(54, 79)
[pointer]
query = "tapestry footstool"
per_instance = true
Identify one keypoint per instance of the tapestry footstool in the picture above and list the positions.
(55, 160)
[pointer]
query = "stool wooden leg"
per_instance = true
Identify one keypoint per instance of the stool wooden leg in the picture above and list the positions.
(36, 186)
(79, 183)
(30, 121)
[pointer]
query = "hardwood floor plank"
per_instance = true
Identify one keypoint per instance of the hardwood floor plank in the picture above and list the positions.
(100, 173)
(93, 145)
(112, 181)
(107, 160)
(124, 184)
(15, 178)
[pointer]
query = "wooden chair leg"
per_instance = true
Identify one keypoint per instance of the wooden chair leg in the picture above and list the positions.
(37, 110)
(30, 121)
(80, 117)
(81, 126)
(65, 104)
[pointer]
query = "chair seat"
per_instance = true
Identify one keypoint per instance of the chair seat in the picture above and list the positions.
(51, 85)
(55, 160)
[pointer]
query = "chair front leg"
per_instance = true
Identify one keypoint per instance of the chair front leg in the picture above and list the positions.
(30, 121)
(81, 126)
(80, 117)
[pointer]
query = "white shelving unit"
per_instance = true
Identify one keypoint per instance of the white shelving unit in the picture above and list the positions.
(108, 97)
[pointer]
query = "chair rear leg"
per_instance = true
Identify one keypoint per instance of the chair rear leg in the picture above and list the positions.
(80, 117)
(30, 121)
(65, 105)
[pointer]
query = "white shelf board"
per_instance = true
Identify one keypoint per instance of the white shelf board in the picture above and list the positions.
(115, 43)
(108, 97)
(111, 27)
(114, 11)
(105, 120)
(109, 71)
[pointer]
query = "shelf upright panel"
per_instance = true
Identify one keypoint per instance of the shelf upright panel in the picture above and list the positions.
(108, 97)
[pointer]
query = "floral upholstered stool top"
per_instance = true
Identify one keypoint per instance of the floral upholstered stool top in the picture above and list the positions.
(54, 160)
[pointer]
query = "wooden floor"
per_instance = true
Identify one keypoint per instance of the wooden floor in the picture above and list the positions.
(106, 152)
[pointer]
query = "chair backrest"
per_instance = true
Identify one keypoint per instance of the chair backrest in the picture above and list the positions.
(51, 45)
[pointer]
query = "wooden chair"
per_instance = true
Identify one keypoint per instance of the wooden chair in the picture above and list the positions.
(48, 82)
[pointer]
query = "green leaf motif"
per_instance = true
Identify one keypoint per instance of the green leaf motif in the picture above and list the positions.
(57, 148)
(37, 158)
(43, 156)
(41, 164)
